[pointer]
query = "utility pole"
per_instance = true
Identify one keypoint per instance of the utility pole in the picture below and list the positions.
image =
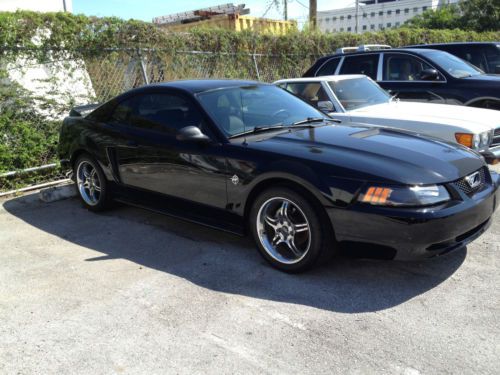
(313, 10)
(356, 28)
(285, 9)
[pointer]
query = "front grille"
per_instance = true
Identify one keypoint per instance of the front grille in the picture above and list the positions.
(496, 137)
(464, 186)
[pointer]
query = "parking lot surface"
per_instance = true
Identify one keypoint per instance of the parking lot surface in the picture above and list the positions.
(130, 291)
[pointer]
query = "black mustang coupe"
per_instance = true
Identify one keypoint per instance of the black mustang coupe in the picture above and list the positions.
(241, 154)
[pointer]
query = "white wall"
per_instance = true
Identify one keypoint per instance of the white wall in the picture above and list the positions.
(378, 16)
(36, 5)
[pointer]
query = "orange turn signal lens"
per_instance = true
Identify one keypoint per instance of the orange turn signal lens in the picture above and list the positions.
(377, 195)
(464, 139)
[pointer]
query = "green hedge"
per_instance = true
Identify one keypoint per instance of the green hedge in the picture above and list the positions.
(44, 31)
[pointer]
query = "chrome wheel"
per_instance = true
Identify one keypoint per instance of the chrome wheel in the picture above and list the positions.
(283, 230)
(89, 184)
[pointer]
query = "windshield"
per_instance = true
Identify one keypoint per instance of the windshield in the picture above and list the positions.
(454, 66)
(357, 93)
(238, 110)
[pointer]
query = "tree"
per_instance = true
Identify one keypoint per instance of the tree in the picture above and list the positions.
(481, 15)
(447, 17)
(477, 15)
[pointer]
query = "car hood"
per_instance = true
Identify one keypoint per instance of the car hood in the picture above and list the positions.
(475, 119)
(372, 154)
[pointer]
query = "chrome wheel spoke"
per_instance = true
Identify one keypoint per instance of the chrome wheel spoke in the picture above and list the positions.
(293, 247)
(304, 227)
(283, 210)
(277, 240)
(271, 221)
(97, 188)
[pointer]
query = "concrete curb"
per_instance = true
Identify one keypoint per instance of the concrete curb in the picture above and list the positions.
(57, 193)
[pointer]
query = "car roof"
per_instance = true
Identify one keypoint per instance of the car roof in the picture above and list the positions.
(321, 78)
(451, 44)
(194, 86)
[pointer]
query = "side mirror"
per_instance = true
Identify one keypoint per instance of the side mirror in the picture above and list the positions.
(192, 133)
(429, 75)
(325, 106)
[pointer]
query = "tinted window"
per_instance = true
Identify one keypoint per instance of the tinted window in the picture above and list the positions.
(453, 65)
(400, 67)
(311, 93)
(358, 92)
(161, 112)
(493, 58)
(361, 64)
(240, 109)
(329, 67)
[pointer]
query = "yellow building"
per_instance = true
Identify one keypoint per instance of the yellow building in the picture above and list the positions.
(236, 22)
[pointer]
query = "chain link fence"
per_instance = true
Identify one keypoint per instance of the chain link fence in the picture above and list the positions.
(35, 95)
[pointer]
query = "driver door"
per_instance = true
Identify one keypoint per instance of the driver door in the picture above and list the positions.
(153, 159)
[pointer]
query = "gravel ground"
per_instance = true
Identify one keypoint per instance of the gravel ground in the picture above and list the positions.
(130, 291)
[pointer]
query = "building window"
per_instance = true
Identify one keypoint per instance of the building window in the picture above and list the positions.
(415, 10)
(372, 14)
(349, 28)
(372, 27)
(424, 9)
(341, 18)
(389, 24)
(341, 29)
(365, 15)
(389, 12)
(398, 24)
(364, 27)
(334, 18)
(381, 26)
(407, 10)
(381, 13)
(398, 11)
(349, 17)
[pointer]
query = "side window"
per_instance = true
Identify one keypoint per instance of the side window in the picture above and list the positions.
(311, 93)
(492, 54)
(122, 112)
(361, 64)
(398, 67)
(166, 113)
(329, 67)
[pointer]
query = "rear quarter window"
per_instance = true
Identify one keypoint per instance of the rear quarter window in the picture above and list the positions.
(329, 67)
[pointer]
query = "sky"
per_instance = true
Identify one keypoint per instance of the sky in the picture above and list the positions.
(147, 9)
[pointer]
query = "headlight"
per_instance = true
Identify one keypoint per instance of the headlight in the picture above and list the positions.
(405, 196)
(474, 141)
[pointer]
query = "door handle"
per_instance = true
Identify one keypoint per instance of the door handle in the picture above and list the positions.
(132, 144)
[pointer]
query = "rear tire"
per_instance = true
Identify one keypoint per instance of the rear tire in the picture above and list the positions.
(291, 233)
(91, 184)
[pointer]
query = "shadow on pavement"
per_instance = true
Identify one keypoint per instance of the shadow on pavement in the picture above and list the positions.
(222, 262)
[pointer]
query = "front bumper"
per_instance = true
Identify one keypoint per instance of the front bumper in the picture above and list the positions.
(492, 155)
(413, 233)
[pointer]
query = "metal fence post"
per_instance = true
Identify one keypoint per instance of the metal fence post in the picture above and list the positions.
(143, 67)
(256, 66)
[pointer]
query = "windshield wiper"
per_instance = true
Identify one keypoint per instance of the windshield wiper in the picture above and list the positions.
(259, 129)
(311, 120)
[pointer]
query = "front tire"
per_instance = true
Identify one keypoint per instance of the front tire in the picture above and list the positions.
(91, 184)
(290, 232)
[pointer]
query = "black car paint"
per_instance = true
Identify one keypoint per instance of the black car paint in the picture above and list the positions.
(331, 163)
(471, 91)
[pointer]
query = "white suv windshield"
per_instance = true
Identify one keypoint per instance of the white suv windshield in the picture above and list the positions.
(454, 66)
(356, 93)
